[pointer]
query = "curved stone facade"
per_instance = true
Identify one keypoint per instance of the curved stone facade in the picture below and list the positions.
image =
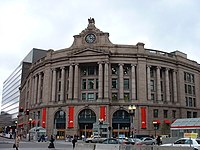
(72, 88)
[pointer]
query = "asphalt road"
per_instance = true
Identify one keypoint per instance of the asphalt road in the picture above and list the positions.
(6, 144)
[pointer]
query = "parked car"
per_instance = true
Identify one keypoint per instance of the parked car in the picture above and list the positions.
(123, 141)
(134, 141)
(186, 142)
(147, 141)
(94, 139)
(110, 141)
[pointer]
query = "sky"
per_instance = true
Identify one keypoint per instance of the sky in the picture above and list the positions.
(165, 25)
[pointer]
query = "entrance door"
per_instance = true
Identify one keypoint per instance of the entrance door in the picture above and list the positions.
(60, 134)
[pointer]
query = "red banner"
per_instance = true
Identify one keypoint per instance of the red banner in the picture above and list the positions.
(143, 118)
(71, 117)
(103, 113)
(44, 115)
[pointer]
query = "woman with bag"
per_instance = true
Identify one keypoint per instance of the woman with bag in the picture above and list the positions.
(51, 144)
(16, 144)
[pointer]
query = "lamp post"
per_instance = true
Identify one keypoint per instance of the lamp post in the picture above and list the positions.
(131, 109)
(156, 126)
(86, 131)
(29, 134)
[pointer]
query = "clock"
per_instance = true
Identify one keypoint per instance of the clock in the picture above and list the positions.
(90, 38)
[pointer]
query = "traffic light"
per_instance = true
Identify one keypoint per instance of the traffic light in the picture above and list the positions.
(156, 125)
(21, 109)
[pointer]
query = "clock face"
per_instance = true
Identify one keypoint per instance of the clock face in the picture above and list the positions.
(90, 38)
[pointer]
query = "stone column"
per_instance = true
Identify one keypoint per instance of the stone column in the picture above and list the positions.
(148, 83)
(62, 92)
(106, 80)
(174, 86)
(121, 82)
(53, 94)
(133, 89)
(35, 89)
(100, 80)
(158, 84)
(167, 84)
(76, 82)
(70, 82)
(39, 87)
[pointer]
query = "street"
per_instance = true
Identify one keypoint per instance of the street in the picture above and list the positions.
(6, 144)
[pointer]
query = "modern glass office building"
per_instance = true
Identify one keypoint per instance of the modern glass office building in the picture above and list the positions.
(11, 93)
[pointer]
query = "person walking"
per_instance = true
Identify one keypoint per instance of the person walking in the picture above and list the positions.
(16, 144)
(158, 139)
(74, 141)
(51, 144)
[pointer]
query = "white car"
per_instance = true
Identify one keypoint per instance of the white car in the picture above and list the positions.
(186, 142)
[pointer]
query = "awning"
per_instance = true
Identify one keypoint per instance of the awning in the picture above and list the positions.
(158, 121)
(167, 121)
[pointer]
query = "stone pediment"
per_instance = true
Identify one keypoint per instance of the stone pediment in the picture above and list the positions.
(89, 52)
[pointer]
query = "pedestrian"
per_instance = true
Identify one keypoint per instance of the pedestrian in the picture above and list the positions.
(51, 144)
(74, 141)
(16, 144)
(158, 139)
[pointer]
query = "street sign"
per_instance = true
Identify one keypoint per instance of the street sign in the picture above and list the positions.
(190, 135)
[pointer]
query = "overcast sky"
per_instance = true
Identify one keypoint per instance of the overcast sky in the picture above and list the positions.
(165, 25)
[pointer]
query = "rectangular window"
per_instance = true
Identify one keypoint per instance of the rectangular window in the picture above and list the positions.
(194, 114)
(59, 86)
(190, 102)
(186, 88)
(186, 101)
(114, 70)
(83, 96)
(174, 113)
(165, 113)
(194, 102)
(152, 96)
(84, 71)
(114, 83)
(126, 70)
(91, 70)
(152, 73)
(96, 96)
(84, 84)
(90, 96)
(155, 113)
(90, 84)
(193, 90)
(152, 85)
(161, 86)
(189, 115)
(126, 84)
(189, 89)
(126, 96)
(114, 97)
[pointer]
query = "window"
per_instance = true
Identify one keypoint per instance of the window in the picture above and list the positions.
(84, 71)
(114, 83)
(97, 83)
(161, 86)
(189, 89)
(126, 70)
(152, 73)
(126, 84)
(59, 86)
(114, 96)
(174, 113)
(189, 114)
(185, 88)
(91, 70)
(126, 96)
(83, 96)
(114, 70)
(84, 84)
(152, 96)
(194, 102)
(90, 84)
(165, 113)
(194, 114)
(152, 85)
(90, 96)
(193, 90)
(155, 113)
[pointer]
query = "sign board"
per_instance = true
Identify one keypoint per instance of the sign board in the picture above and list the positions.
(191, 135)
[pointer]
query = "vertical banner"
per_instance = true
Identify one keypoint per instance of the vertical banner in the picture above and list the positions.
(71, 117)
(103, 113)
(44, 115)
(143, 118)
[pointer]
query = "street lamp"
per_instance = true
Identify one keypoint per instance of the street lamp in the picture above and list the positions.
(131, 109)
(29, 135)
(86, 131)
(156, 126)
